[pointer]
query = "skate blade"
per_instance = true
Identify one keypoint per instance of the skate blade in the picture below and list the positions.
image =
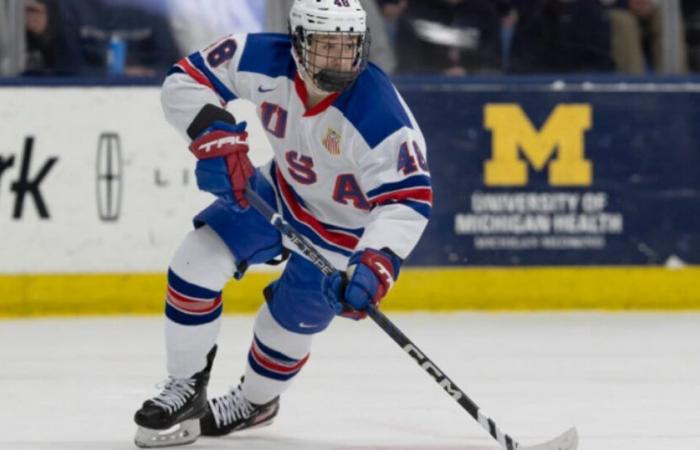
(183, 433)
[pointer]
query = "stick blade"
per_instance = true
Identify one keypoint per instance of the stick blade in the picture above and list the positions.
(567, 441)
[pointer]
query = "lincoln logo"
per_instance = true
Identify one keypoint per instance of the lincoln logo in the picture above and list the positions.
(109, 177)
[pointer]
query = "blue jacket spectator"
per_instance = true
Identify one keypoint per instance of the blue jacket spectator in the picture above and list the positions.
(150, 49)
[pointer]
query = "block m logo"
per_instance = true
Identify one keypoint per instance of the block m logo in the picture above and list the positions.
(563, 131)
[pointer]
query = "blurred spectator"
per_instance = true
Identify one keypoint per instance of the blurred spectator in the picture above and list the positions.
(561, 36)
(644, 38)
(197, 24)
(509, 19)
(392, 10)
(452, 37)
(381, 51)
(48, 51)
(98, 24)
(152, 6)
(12, 40)
(691, 14)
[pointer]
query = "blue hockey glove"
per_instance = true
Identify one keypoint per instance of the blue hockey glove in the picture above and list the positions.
(369, 277)
(223, 167)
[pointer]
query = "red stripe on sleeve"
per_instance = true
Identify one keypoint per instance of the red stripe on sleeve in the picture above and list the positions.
(195, 74)
(419, 194)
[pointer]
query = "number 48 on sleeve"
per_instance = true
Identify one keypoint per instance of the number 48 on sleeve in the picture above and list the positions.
(407, 162)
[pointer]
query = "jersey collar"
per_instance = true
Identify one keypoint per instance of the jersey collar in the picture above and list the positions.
(304, 95)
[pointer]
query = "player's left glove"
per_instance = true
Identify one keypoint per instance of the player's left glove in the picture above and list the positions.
(369, 277)
(223, 167)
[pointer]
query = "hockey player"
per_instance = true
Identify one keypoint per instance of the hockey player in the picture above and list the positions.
(349, 172)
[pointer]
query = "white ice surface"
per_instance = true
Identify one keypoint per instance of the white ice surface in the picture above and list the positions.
(627, 381)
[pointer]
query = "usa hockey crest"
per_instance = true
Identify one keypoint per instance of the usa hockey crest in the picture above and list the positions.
(332, 142)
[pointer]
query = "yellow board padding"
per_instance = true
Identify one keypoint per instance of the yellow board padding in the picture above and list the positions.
(548, 288)
(440, 289)
(97, 294)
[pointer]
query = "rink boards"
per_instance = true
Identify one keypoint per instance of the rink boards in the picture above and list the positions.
(609, 288)
(548, 195)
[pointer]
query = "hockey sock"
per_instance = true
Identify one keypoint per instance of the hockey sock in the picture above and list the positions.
(276, 356)
(198, 272)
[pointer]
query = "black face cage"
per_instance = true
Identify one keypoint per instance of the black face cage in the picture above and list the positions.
(336, 71)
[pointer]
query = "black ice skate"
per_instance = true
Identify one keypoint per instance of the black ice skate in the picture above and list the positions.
(232, 412)
(172, 417)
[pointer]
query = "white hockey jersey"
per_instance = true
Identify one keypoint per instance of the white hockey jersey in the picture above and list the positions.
(350, 173)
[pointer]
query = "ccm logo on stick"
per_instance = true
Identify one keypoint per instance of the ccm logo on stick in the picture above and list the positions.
(429, 367)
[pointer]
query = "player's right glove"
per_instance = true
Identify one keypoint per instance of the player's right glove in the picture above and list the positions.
(223, 167)
(369, 277)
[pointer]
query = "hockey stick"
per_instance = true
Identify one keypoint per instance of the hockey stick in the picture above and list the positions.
(566, 441)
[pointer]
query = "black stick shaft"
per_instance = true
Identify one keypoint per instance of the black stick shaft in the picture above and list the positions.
(384, 323)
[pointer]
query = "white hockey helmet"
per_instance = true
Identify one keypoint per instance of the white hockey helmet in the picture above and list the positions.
(343, 20)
